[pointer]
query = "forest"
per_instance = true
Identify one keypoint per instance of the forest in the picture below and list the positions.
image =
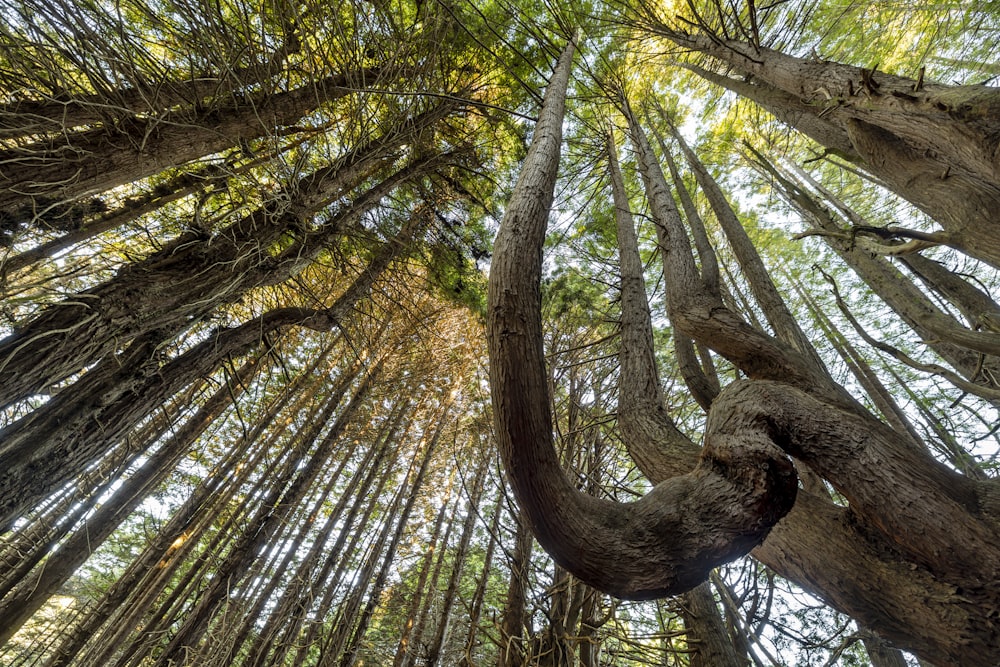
(506, 333)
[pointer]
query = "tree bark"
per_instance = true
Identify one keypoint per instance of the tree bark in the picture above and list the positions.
(181, 284)
(18, 606)
(56, 171)
(913, 530)
(935, 145)
(515, 622)
(649, 433)
(57, 441)
(668, 541)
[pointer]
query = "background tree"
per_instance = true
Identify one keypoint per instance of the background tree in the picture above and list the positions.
(246, 416)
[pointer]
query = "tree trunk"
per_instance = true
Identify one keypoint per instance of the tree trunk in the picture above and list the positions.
(935, 145)
(472, 639)
(17, 607)
(639, 550)
(411, 494)
(875, 499)
(191, 277)
(58, 440)
(73, 165)
(706, 634)
(645, 425)
(436, 647)
(409, 643)
(515, 622)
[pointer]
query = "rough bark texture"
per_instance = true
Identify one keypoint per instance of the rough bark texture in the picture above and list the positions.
(32, 593)
(93, 161)
(652, 439)
(907, 513)
(938, 146)
(667, 542)
(47, 448)
(654, 442)
(177, 286)
(706, 631)
(960, 346)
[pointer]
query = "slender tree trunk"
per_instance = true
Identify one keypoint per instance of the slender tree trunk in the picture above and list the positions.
(74, 427)
(641, 402)
(707, 638)
(515, 624)
(473, 638)
(284, 497)
(17, 607)
(405, 651)
(73, 165)
(419, 478)
(180, 532)
(284, 625)
(932, 144)
(874, 501)
(785, 326)
(648, 432)
(438, 642)
(953, 342)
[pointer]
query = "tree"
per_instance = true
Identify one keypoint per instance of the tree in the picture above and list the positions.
(789, 404)
(741, 322)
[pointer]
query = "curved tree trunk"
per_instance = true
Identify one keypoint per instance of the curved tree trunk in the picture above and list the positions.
(935, 145)
(640, 550)
(73, 165)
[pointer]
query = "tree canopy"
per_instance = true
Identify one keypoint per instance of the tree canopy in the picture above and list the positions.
(317, 318)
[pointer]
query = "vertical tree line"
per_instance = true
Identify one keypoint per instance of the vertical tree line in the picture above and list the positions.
(722, 391)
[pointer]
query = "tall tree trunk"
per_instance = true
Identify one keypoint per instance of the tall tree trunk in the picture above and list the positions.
(473, 637)
(934, 145)
(515, 622)
(189, 278)
(57, 441)
(409, 643)
(412, 493)
(30, 595)
(644, 549)
(283, 498)
(182, 529)
(874, 500)
(959, 346)
(785, 326)
(436, 646)
(642, 418)
(51, 173)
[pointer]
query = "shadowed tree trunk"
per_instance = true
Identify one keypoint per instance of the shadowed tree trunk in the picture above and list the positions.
(644, 549)
(960, 346)
(472, 639)
(875, 500)
(515, 622)
(189, 278)
(47, 448)
(650, 435)
(912, 509)
(72, 165)
(18, 606)
(933, 144)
